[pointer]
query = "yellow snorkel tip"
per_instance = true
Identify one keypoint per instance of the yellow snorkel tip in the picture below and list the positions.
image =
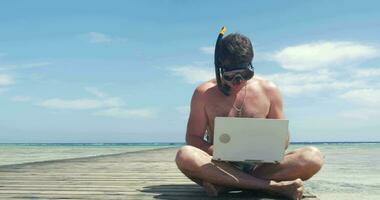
(223, 30)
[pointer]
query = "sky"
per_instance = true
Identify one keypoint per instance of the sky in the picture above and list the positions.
(125, 71)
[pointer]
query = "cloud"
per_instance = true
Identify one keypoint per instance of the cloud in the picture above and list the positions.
(360, 114)
(292, 84)
(101, 38)
(24, 66)
(363, 97)
(301, 83)
(316, 55)
(207, 50)
(6, 80)
(126, 113)
(367, 73)
(102, 105)
(95, 92)
(21, 98)
(3, 54)
(113, 102)
(192, 74)
(96, 37)
(81, 104)
(102, 101)
(75, 104)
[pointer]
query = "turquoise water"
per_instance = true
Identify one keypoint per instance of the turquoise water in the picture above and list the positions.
(351, 170)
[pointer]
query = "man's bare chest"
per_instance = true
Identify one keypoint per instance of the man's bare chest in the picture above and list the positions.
(254, 109)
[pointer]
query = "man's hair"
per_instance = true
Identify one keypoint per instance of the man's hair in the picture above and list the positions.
(235, 49)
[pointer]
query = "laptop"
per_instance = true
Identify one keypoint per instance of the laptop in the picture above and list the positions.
(250, 139)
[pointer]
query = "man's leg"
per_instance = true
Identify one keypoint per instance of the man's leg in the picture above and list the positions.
(301, 163)
(198, 165)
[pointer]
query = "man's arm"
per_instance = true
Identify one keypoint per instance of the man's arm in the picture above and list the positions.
(197, 124)
(276, 106)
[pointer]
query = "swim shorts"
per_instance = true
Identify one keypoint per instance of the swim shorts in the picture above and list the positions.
(244, 166)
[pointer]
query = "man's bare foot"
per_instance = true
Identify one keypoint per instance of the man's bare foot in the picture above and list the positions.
(212, 190)
(291, 189)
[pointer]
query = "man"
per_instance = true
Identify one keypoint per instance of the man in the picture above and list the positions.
(236, 92)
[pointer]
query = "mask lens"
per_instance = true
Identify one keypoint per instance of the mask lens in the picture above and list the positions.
(228, 77)
(245, 74)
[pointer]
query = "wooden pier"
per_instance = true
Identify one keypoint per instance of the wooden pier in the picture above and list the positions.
(148, 174)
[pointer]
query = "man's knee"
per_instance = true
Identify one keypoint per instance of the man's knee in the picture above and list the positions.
(185, 158)
(311, 161)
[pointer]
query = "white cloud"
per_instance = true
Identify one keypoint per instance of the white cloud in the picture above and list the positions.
(363, 97)
(113, 102)
(193, 74)
(107, 101)
(3, 54)
(95, 92)
(126, 113)
(292, 84)
(316, 55)
(301, 83)
(207, 50)
(101, 38)
(367, 73)
(6, 80)
(360, 114)
(103, 101)
(24, 66)
(21, 98)
(103, 105)
(75, 104)
(96, 37)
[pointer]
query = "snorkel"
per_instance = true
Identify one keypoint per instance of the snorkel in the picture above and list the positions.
(225, 89)
(221, 70)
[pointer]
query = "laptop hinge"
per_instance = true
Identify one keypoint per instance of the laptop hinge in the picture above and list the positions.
(261, 161)
(255, 161)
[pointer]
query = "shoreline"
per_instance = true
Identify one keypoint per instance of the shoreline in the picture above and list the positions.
(142, 144)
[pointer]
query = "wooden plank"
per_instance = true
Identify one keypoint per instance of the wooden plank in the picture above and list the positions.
(150, 174)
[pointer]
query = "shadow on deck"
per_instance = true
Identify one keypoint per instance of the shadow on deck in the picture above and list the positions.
(192, 191)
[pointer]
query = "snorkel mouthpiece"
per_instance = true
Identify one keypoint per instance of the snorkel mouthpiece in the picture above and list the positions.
(237, 80)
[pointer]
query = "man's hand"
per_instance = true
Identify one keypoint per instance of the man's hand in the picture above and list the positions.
(199, 143)
(210, 150)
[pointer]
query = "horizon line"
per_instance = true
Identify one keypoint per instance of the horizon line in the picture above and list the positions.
(314, 142)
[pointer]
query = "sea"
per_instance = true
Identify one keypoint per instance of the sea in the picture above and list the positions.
(351, 169)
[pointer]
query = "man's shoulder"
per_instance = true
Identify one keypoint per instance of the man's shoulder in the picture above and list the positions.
(270, 89)
(206, 86)
(204, 91)
(265, 84)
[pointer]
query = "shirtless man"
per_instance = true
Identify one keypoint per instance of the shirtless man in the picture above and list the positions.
(249, 96)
